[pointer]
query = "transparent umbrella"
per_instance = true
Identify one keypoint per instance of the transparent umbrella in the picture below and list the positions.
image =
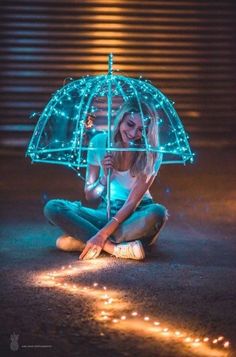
(84, 107)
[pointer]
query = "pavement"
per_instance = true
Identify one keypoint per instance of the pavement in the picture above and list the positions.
(184, 292)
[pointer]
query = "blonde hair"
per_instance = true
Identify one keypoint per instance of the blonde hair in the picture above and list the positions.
(143, 161)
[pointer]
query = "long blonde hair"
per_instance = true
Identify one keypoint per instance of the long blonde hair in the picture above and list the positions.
(143, 161)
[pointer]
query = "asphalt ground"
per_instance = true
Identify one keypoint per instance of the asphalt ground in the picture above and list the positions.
(187, 283)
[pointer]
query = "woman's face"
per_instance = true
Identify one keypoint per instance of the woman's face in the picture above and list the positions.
(131, 128)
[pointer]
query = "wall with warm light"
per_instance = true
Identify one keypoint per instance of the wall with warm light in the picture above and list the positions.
(187, 48)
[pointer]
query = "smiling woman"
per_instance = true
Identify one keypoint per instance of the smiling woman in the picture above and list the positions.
(134, 123)
(131, 128)
(136, 219)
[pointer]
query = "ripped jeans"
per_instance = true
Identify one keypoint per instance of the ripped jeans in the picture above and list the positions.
(83, 222)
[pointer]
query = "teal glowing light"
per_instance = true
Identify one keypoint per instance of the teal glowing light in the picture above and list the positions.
(84, 107)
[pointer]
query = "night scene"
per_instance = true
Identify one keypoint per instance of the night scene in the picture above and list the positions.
(118, 178)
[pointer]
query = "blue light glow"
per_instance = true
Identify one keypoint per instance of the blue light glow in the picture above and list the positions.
(61, 136)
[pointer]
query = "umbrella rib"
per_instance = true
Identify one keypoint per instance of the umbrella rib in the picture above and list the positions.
(42, 121)
(140, 108)
(79, 111)
(168, 108)
(83, 118)
(120, 87)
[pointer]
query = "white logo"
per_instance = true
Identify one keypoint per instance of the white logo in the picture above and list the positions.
(14, 346)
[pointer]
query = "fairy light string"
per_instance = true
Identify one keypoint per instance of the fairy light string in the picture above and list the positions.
(58, 134)
(116, 312)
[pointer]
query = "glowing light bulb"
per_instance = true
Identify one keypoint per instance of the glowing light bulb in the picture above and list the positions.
(188, 339)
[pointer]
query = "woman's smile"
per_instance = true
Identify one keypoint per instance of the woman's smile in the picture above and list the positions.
(129, 137)
(131, 128)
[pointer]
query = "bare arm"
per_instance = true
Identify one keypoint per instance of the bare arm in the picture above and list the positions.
(135, 196)
(133, 200)
(94, 185)
(129, 206)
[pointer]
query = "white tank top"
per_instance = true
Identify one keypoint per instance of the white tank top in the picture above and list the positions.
(122, 182)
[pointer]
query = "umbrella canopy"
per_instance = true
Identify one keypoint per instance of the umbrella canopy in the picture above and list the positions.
(84, 107)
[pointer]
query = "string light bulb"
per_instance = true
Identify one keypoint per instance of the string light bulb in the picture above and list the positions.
(55, 278)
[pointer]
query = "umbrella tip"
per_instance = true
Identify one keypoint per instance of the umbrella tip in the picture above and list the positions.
(110, 63)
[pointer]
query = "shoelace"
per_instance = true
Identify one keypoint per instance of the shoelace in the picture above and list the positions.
(125, 250)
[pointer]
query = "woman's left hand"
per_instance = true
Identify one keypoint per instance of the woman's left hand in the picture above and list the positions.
(93, 247)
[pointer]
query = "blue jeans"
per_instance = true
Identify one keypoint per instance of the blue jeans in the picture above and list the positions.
(83, 222)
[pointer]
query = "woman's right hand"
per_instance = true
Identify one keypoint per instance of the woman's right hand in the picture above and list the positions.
(107, 163)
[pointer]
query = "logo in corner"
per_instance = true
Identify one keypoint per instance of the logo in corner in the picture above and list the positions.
(14, 345)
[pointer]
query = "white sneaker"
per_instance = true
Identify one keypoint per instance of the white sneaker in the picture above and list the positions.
(129, 250)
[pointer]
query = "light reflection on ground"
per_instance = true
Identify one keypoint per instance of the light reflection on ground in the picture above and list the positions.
(117, 314)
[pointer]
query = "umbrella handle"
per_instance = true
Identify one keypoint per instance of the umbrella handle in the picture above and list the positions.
(109, 110)
(109, 195)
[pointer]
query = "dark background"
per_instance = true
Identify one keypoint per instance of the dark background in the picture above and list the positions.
(187, 49)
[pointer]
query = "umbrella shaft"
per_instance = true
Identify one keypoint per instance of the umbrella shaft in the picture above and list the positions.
(108, 195)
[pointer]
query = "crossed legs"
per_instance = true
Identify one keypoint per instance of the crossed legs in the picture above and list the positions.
(81, 223)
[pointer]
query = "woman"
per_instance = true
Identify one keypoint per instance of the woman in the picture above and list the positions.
(136, 220)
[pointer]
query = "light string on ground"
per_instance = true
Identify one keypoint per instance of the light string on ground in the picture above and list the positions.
(118, 314)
